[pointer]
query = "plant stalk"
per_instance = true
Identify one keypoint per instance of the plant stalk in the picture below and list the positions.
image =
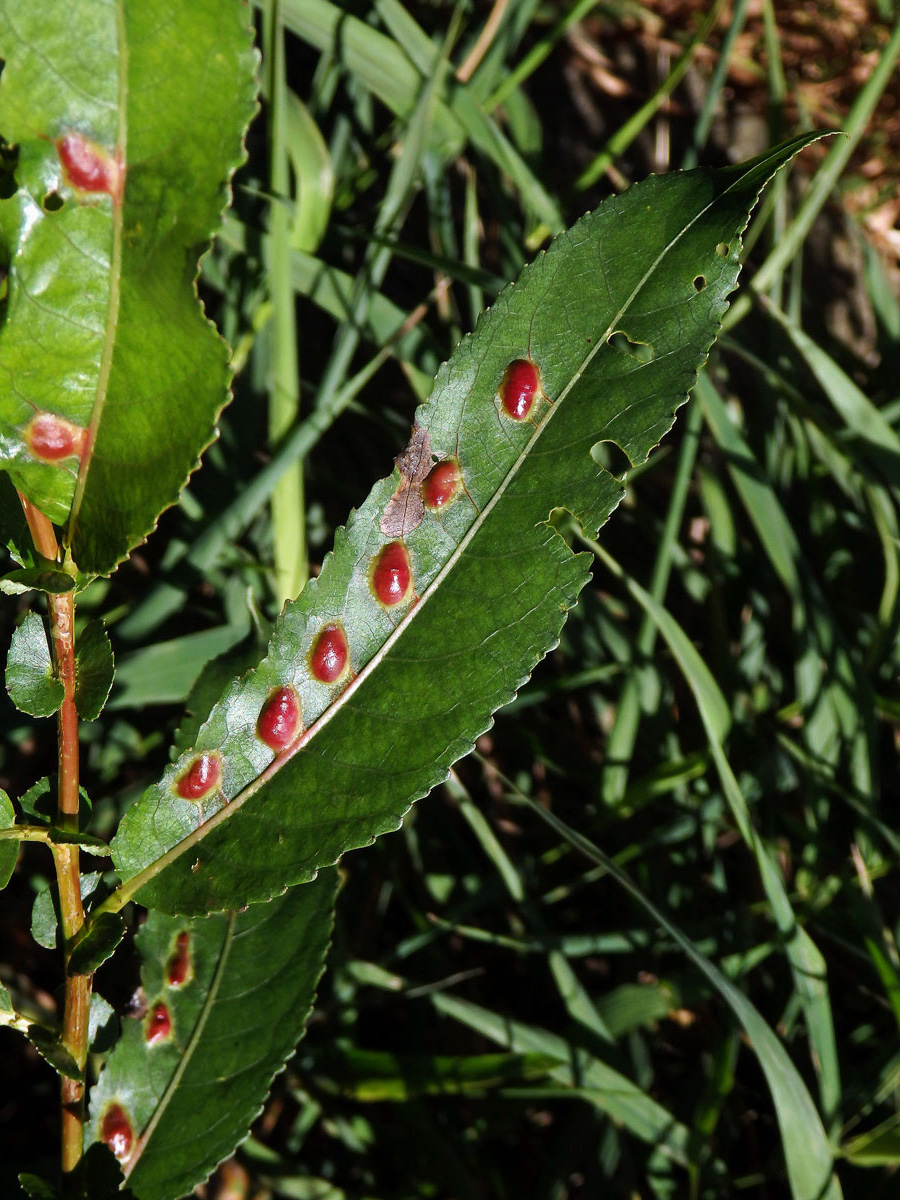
(67, 857)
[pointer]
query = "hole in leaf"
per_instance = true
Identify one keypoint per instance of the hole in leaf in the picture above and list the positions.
(52, 202)
(723, 250)
(699, 283)
(9, 160)
(612, 458)
(622, 344)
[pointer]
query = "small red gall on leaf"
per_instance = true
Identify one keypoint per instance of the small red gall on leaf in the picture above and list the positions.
(443, 484)
(519, 387)
(116, 1131)
(201, 776)
(159, 1024)
(329, 654)
(391, 575)
(279, 722)
(178, 968)
(89, 167)
(52, 438)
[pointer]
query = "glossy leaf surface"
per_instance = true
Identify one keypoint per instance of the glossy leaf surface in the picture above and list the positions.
(45, 578)
(30, 681)
(94, 670)
(99, 943)
(228, 998)
(9, 850)
(617, 317)
(128, 120)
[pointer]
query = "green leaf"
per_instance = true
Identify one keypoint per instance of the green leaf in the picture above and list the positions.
(98, 943)
(103, 1025)
(54, 1052)
(116, 375)
(311, 161)
(45, 578)
(210, 684)
(39, 803)
(37, 1188)
(45, 1041)
(807, 1151)
(228, 998)
(370, 1076)
(611, 1092)
(14, 531)
(94, 670)
(878, 1147)
(165, 672)
(45, 910)
(9, 851)
(32, 686)
(44, 918)
(618, 315)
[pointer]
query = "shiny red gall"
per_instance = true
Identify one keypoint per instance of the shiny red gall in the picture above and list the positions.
(159, 1024)
(52, 438)
(201, 777)
(519, 388)
(116, 1131)
(329, 655)
(391, 575)
(442, 484)
(279, 722)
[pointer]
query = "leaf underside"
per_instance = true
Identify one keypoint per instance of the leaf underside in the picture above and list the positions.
(228, 998)
(618, 315)
(127, 120)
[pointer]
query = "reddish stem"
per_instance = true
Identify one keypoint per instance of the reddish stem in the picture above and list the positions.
(66, 858)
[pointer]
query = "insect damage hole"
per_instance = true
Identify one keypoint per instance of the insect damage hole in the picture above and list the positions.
(699, 283)
(52, 202)
(621, 343)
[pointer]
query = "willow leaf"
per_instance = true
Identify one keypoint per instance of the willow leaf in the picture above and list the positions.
(617, 316)
(127, 119)
(228, 998)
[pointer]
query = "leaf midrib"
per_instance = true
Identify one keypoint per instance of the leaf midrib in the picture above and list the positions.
(189, 1050)
(112, 315)
(131, 886)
